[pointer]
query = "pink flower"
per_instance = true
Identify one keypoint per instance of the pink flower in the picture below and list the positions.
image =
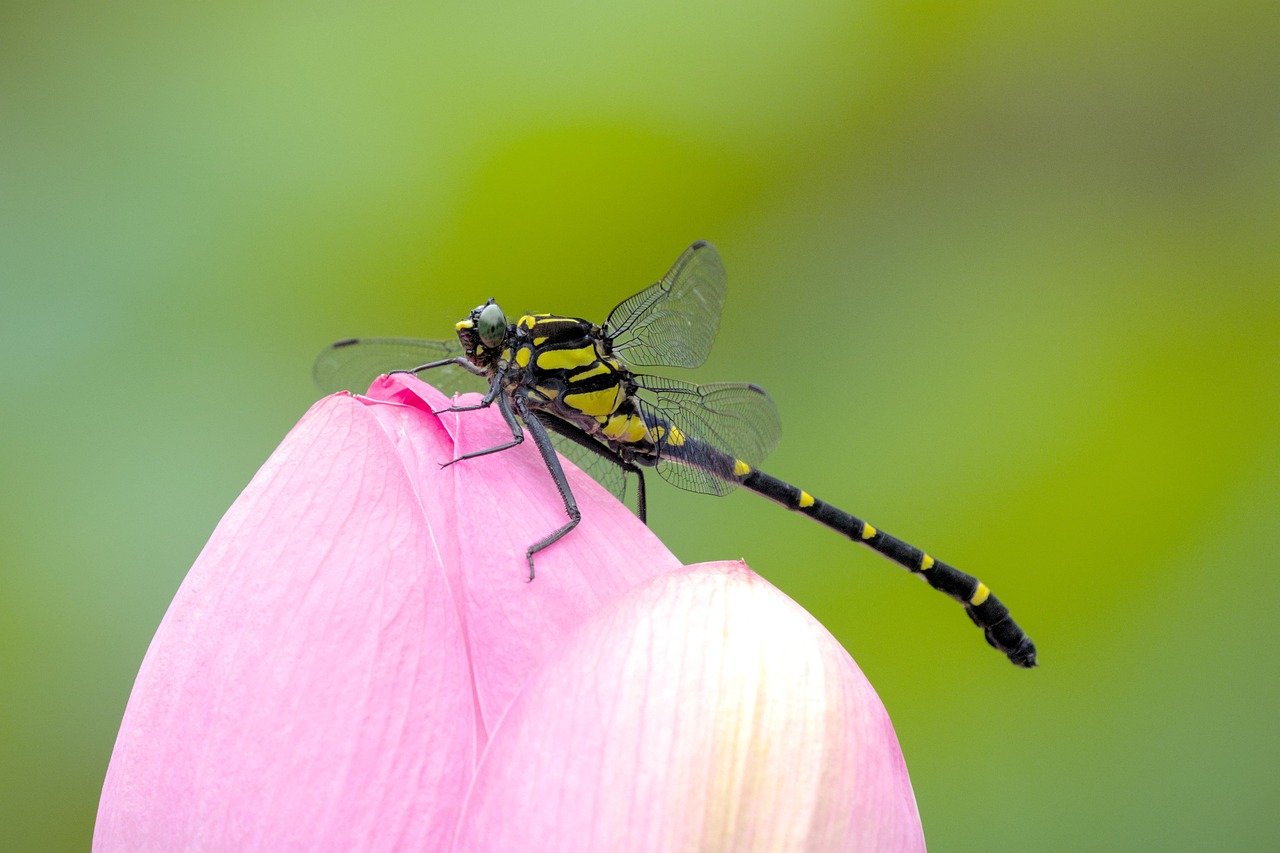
(356, 661)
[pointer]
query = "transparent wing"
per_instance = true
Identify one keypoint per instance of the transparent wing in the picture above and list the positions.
(727, 420)
(673, 322)
(354, 363)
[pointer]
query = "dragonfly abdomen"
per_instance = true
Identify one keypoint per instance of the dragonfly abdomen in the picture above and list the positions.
(986, 611)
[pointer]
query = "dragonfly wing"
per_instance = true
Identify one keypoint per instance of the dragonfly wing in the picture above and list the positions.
(673, 322)
(354, 363)
(729, 420)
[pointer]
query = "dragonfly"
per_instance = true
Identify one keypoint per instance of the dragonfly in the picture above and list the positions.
(569, 384)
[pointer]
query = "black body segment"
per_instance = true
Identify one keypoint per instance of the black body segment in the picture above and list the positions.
(566, 383)
(986, 611)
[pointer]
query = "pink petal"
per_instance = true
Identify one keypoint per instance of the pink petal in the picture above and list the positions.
(355, 624)
(308, 686)
(499, 505)
(703, 710)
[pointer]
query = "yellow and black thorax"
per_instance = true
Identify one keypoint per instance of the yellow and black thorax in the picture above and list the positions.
(566, 366)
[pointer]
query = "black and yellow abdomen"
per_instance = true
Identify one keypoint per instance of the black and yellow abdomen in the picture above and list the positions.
(986, 611)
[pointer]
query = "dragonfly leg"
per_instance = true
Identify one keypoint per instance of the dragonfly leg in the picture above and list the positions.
(495, 388)
(640, 499)
(517, 434)
(548, 451)
(459, 361)
(583, 440)
(484, 403)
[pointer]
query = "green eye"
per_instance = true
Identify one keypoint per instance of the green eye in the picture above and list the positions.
(492, 325)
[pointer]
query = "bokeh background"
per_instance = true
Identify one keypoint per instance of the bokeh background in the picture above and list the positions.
(1009, 270)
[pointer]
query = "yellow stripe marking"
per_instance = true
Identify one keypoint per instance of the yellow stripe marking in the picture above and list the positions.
(868, 531)
(806, 499)
(526, 322)
(523, 355)
(926, 564)
(595, 403)
(980, 594)
(537, 342)
(673, 436)
(464, 324)
(587, 374)
(625, 428)
(740, 468)
(566, 359)
(546, 323)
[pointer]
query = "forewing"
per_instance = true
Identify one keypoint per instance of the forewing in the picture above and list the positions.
(354, 363)
(673, 322)
(736, 419)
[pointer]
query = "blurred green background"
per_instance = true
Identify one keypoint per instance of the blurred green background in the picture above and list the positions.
(1009, 270)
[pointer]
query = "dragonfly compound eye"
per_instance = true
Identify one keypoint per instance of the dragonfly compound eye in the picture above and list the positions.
(492, 325)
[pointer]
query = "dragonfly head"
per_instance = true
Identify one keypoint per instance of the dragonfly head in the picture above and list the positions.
(482, 333)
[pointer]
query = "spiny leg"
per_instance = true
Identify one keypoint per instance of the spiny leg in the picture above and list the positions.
(581, 439)
(548, 451)
(517, 434)
(458, 361)
(495, 388)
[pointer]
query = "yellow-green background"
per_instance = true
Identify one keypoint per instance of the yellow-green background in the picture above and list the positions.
(1010, 271)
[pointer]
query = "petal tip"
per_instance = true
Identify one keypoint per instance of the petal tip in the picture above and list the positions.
(408, 389)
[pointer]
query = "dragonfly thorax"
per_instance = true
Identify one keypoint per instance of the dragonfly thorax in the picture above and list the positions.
(565, 366)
